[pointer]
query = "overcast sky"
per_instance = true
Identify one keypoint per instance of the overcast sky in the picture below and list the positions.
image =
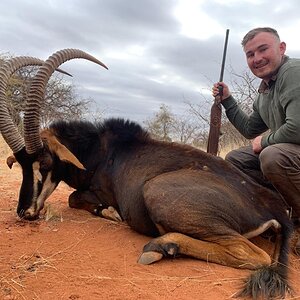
(157, 51)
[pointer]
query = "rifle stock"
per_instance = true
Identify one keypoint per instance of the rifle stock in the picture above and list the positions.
(216, 111)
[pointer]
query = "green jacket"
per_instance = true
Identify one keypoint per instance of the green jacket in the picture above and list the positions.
(277, 108)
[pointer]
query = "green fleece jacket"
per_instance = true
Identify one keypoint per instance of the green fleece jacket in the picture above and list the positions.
(276, 108)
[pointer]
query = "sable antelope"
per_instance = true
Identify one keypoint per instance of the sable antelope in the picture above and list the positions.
(189, 201)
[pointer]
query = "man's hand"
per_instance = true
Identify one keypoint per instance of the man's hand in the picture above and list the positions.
(216, 92)
(256, 144)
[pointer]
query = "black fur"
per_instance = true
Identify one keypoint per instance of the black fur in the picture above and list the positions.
(267, 283)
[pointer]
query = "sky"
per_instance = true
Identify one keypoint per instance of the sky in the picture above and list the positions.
(157, 51)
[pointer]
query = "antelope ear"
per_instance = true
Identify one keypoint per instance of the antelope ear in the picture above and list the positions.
(59, 149)
(10, 161)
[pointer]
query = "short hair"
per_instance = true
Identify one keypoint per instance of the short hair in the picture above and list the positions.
(252, 33)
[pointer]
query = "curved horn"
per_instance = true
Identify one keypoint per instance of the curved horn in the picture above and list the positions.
(7, 127)
(32, 137)
(63, 72)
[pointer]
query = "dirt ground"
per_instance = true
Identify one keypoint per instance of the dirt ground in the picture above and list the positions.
(70, 254)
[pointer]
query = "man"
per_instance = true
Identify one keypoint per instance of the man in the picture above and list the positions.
(273, 159)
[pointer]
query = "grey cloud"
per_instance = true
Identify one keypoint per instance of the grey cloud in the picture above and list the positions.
(135, 85)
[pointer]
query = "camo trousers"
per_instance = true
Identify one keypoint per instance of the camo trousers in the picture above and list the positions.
(276, 167)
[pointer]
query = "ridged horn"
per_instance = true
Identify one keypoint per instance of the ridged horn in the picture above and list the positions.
(8, 129)
(32, 138)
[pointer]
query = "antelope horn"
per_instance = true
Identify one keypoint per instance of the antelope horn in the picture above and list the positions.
(7, 127)
(63, 72)
(32, 137)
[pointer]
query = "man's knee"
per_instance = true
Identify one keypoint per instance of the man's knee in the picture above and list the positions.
(238, 157)
(232, 156)
(272, 160)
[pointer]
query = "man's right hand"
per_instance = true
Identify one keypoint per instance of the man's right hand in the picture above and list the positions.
(216, 92)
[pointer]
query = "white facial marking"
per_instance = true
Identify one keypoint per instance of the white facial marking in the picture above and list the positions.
(48, 187)
(36, 171)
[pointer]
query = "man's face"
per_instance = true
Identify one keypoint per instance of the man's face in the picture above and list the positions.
(264, 55)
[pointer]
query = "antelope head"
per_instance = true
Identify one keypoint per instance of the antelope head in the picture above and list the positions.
(36, 151)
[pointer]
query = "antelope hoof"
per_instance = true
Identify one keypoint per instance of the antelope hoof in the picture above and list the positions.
(154, 251)
(111, 214)
(150, 257)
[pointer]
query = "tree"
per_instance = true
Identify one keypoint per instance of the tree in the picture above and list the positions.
(160, 127)
(60, 101)
(244, 89)
(166, 126)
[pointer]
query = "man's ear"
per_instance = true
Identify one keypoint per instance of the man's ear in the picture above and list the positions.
(282, 48)
(59, 149)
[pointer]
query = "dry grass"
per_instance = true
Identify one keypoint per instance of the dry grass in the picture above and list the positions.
(50, 213)
(13, 281)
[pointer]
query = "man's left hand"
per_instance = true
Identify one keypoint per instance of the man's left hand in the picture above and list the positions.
(256, 144)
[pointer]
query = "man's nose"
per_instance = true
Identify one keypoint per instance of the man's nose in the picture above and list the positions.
(257, 58)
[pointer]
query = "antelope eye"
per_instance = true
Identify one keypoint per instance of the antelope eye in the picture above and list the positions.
(43, 173)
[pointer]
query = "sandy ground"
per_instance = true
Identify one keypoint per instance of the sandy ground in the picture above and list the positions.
(70, 254)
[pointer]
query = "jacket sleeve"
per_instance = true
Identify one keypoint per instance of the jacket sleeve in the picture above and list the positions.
(250, 126)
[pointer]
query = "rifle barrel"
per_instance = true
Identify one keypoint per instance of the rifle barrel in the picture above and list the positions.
(224, 56)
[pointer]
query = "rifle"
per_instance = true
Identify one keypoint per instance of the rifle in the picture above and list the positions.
(216, 111)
